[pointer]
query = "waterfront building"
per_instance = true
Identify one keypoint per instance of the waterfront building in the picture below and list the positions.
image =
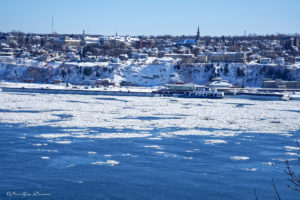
(267, 83)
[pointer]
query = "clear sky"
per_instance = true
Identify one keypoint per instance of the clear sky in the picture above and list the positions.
(151, 17)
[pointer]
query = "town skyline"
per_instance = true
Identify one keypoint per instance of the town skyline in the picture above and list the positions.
(215, 18)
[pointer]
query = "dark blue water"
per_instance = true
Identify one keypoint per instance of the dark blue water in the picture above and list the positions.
(142, 173)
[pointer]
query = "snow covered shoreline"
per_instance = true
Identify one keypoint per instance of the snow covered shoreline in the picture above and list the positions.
(61, 89)
(147, 73)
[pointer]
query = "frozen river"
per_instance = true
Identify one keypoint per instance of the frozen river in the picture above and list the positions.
(104, 147)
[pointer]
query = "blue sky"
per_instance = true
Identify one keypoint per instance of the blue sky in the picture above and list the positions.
(152, 17)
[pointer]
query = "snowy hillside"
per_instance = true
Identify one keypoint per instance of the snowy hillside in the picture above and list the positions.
(150, 72)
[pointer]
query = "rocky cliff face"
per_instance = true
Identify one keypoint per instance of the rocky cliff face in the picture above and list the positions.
(149, 75)
(236, 73)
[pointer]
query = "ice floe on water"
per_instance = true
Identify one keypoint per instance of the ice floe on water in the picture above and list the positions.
(189, 151)
(153, 146)
(291, 154)
(129, 155)
(54, 135)
(239, 158)
(250, 169)
(37, 145)
(206, 120)
(107, 162)
(269, 163)
(92, 152)
(154, 138)
(112, 135)
(48, 150)
(292, 148)
(71, 165)
(63, 142)
(215, 142)
(45, 157)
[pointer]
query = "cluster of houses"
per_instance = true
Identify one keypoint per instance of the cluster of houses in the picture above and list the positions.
(273, 49)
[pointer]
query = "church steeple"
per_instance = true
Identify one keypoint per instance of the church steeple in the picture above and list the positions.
(198, 36)
(82, 42)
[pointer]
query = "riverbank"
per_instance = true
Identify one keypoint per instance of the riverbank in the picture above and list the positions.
(75, 89)
(243, 93)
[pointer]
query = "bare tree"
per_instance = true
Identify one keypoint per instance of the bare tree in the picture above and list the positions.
(294, 179)
(276, 195)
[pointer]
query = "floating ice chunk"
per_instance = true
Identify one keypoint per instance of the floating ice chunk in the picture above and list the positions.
(291, 148)
(38, 145)
(58, 135)
(107, 155)
(92, 152)
(48, 150)
(99, 163)
(239, 158)
(108, 162)
(63, 142)
(279, 159)
(286, 135)
(45, 157)
(269, 163)
(71, 165)
(153, 146)
(291, 154)
(113, 135)
(112, 162)
(250, 169)
(215, 142)
(160, 152)
(129, 155)
(155, 138)
(192, 132)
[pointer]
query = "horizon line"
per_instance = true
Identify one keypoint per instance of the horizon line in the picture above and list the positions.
(156, 35)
